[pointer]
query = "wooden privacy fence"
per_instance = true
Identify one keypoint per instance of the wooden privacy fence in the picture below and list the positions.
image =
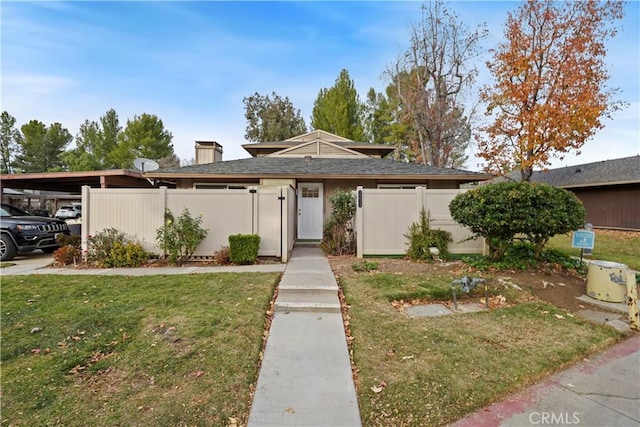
(266, 211)
(383, 216)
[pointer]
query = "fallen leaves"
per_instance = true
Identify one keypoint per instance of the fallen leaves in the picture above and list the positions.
(378, 388)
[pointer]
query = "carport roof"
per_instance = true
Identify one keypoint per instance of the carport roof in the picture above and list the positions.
(72, 182)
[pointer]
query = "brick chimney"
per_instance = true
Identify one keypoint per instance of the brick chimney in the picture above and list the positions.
(208, 152)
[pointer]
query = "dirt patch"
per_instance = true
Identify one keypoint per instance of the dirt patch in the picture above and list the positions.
(557, 287)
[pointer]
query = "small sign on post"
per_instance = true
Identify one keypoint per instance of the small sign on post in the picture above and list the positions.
(583, 239)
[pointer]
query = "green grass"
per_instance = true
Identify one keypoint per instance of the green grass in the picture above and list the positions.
(436, 370)
(610, 245)
(154, 350)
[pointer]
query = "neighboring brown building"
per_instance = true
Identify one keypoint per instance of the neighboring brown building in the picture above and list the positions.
(609, 190)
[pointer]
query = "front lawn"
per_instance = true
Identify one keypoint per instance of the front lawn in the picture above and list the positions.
(433, 371)
(154, 350)
(610, 245)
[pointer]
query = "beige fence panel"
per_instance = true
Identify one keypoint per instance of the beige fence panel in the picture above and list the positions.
(383, 217)
(140, 212)
(386, 216)
(268, 220)
(436, 203)
(137, 212)
(224, 212)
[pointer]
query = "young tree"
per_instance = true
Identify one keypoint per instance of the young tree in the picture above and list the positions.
(385, 125)
(338, 110)
(94, 143)
(42, 147)
(271, 118)
(549, 92)
(144, 136)
(10, 139)
(431, 80)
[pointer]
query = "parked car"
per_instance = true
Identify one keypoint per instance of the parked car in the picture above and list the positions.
(68, 211)
(23, 233)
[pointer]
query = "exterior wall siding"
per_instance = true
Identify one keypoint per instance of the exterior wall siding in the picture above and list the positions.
(612, 207)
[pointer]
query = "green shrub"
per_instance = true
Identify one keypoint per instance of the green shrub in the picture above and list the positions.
(179, 238)
(338, 237)
(101, 243)
(365, 266)
(422, 237)
(243, 248)
(500, 211)
(521, 256)
(111, 248)
(128, 255)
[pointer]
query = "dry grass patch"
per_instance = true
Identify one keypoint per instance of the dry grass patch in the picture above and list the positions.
(433, 371)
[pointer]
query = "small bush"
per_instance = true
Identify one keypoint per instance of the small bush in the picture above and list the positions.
(111, 248)
(69, 239)
(179, 238)
(243, 248)
(221, 256)
(101, 244)
(520, 256)
(128, 255)
(338, 237)
(365, 266)
(501, 211)
(67, 255)
(422, 237)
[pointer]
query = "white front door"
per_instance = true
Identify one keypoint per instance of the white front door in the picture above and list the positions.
(310, 211)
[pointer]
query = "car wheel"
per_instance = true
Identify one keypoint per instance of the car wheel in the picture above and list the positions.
(78, 216)
(8, 250)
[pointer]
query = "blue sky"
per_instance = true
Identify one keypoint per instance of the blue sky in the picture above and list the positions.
(192, 63)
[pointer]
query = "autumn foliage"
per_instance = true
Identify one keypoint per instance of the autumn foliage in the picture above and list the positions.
(550, 92)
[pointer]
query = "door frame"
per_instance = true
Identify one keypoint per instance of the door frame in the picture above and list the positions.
(299, 233)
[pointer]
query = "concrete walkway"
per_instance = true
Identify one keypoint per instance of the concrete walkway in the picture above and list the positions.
(40, 264)
(603, 390)
(305, 378)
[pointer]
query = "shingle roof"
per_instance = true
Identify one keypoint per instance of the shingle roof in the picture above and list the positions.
(298, 166)
(606, 172)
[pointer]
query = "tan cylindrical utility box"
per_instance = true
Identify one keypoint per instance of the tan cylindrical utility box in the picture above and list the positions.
(607, 280)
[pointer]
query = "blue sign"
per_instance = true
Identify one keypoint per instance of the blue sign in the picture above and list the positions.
(583, 239)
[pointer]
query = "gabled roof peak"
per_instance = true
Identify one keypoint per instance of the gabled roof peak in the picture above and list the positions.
(319, 134)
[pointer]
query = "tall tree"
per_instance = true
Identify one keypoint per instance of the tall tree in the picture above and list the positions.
(95, 142)
(42, 147)
(432, 79)
(271, 118)
(385, 125)
(10, 139)
(338, 110)
(144, 136)
(550, 75)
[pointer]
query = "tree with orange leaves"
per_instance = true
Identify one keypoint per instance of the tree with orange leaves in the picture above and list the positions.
(550, 92)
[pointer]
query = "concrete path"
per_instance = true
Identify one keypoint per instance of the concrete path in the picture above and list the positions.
(305, 378)
(37, 263)
(601, 391)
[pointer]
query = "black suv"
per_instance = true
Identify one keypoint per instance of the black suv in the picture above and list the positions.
(23, 233)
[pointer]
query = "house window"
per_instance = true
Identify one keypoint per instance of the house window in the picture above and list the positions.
(216, 186)
(399, 186)
(313, 192)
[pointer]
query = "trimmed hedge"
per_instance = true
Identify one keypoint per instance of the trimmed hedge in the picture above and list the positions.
(243, 248)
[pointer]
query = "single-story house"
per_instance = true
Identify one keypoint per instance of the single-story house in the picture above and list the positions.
(609, 190)
(315, 164)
